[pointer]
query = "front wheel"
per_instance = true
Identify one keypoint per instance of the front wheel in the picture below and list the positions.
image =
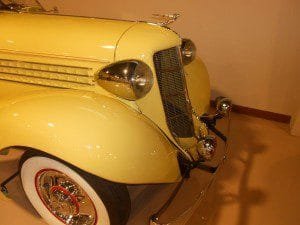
(63, 194)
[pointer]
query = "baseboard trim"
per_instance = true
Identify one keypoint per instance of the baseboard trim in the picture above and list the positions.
(260, 113)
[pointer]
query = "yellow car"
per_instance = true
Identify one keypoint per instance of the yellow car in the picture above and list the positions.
(97, 104)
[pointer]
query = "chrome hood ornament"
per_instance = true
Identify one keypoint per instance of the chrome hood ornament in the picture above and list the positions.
(166, 19)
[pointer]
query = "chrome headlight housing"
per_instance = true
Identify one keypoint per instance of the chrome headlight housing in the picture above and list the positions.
(223, 105)
(130, 79)
(188, 51)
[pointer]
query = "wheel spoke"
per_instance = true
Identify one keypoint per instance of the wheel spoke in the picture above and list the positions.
(65, 199)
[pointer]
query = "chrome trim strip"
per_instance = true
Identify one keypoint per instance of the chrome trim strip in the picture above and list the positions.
(48, 64)
(44, 82)
(45, 78)
(41, 54)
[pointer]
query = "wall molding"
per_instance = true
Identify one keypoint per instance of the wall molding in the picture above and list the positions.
(278, 117)
(262, 114)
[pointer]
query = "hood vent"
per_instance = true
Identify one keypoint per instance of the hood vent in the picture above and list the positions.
(46, 74)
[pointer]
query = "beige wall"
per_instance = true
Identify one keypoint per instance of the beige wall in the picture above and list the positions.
(251, 48)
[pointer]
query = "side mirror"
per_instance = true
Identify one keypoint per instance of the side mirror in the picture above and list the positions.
(223, 105)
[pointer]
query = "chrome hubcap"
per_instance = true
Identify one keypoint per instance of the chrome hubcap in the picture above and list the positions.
(64, 198)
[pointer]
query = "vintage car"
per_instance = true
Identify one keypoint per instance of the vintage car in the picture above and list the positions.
(98, 104)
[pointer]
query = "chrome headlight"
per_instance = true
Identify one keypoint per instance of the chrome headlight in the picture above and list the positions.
(188, 51)
(207, 147)
(223, 105)
(127, 79)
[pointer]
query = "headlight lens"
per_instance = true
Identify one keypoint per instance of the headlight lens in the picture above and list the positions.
(127, 79)
(188, 51)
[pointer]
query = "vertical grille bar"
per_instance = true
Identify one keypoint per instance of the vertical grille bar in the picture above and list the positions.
(172, 86)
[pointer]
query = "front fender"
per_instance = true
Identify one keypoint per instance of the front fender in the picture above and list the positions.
(96, 133)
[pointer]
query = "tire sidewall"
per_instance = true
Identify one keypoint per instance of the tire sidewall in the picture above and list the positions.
(33, 165)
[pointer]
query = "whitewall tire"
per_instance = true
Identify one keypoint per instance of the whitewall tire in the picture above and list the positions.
(62, 194)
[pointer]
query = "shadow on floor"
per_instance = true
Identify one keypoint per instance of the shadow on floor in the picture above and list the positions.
(244, 146)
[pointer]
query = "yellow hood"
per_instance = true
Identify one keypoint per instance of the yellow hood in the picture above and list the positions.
(64, 36)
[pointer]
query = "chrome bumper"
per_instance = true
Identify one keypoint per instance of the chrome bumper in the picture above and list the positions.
(213, 167)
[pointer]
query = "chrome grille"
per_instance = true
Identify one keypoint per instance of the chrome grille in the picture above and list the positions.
(172, 86)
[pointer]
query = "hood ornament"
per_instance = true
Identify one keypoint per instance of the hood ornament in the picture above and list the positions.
(166, 19)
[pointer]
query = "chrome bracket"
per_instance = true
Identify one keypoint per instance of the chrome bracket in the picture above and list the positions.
(211, 125)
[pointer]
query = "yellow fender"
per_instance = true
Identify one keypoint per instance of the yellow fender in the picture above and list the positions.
(93, 132)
